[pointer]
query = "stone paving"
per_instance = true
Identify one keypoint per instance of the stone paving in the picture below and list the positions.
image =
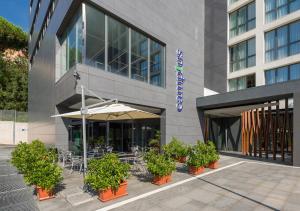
(244, 185)
(14, 194)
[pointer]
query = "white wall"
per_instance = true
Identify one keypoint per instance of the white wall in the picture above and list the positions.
(7, 132)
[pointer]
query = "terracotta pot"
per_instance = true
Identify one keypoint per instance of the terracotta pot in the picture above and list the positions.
(44, 194)
(196, 170)
(214, 165)
(110, 194)
(181, 159)
(160, 180)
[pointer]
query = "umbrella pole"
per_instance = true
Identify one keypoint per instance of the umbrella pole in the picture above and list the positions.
(83, 111)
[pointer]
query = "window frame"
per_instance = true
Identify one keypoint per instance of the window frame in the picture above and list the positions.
(276, 70)
(277, 8)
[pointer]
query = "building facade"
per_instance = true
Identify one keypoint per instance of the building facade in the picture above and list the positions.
(125, 50)
(263, 42)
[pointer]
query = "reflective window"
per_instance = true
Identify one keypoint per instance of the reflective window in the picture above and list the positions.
(139, 56)
(157, 66)
(242, 20)
(242, 55)
(276, 9)
(282, 42)
(95, 38)
(242, 83)
(71, 51)
(118, 47)
(282, 74)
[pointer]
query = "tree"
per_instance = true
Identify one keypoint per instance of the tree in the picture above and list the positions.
(13, 67)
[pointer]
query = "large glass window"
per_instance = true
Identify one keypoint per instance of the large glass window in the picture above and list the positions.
(111, 45)
(118, 47)
(282, 42)
(242, 55)
(157, 64)
(242, 83)
(139, 56)
(282, 74)
(242, 20)
(276, 9)
(71, 50)
(95, 38)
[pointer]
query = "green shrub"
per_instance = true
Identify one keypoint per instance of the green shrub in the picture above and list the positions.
(176, 148)
(154, 143)
(45, 174)
(159, 164)
(213, 155)
(198, 155)
(107, 172)
(38, 164)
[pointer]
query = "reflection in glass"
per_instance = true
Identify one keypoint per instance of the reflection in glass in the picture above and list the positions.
(139, 56)
(95, 38)
(118, 45)
(156, 64)
(71, 47)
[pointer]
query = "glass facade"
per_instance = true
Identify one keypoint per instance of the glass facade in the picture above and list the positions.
(242, 55)
(118, 47)
(71, 45)
(282, 74)
(110, 45)
(282, 42)
(242, 82)
(242, 20)
(139, 56)
(276, 9)
(156, 63)
(95, 38)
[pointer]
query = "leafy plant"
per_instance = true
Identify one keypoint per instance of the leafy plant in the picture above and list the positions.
(176, 148)
(45, 174)
(213, 155)
(159, 164)
(107, 172)
(38, 164)
(198, 155)
(155, 142)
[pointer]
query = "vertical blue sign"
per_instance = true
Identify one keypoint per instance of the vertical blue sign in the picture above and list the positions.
(179, 80)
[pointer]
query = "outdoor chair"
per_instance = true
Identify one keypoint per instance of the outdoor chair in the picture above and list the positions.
(76, 163)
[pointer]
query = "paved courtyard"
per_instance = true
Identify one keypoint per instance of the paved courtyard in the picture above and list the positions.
(14, 194)
(238, 184)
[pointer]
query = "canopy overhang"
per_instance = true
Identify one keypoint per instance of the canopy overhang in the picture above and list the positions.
(112, 112)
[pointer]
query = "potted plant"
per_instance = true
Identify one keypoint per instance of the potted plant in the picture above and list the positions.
(38, 164)
(108, 176)
(213, 156)
(45, 176)
(160, 166)
(154, 143)
(176, 149)
(197, 158)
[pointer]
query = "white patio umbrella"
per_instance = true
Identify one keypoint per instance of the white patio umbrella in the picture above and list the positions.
(111, 112)
(116, 111)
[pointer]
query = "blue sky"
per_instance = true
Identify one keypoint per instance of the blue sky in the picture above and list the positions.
(16, 11)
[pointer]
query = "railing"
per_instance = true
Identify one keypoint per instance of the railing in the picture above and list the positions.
(13, 115)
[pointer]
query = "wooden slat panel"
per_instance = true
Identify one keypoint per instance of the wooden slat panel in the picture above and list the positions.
(260, 123)
(277, 128)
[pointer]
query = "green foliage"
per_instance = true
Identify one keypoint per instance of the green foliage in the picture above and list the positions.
(154, 143)
(11, 36)
(159, 164)
(13, 74)
(176, 148)
(13, 84)
(45, 174)
(213, 155)
(198, 155)
(37, 163)
(107, 172)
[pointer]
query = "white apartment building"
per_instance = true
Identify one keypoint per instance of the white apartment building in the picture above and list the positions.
(263, 42)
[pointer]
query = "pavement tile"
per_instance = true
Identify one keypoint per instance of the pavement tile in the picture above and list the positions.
(291, 207)
(176, 201)
(193, 205)
(275, 203)
(202, 195)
